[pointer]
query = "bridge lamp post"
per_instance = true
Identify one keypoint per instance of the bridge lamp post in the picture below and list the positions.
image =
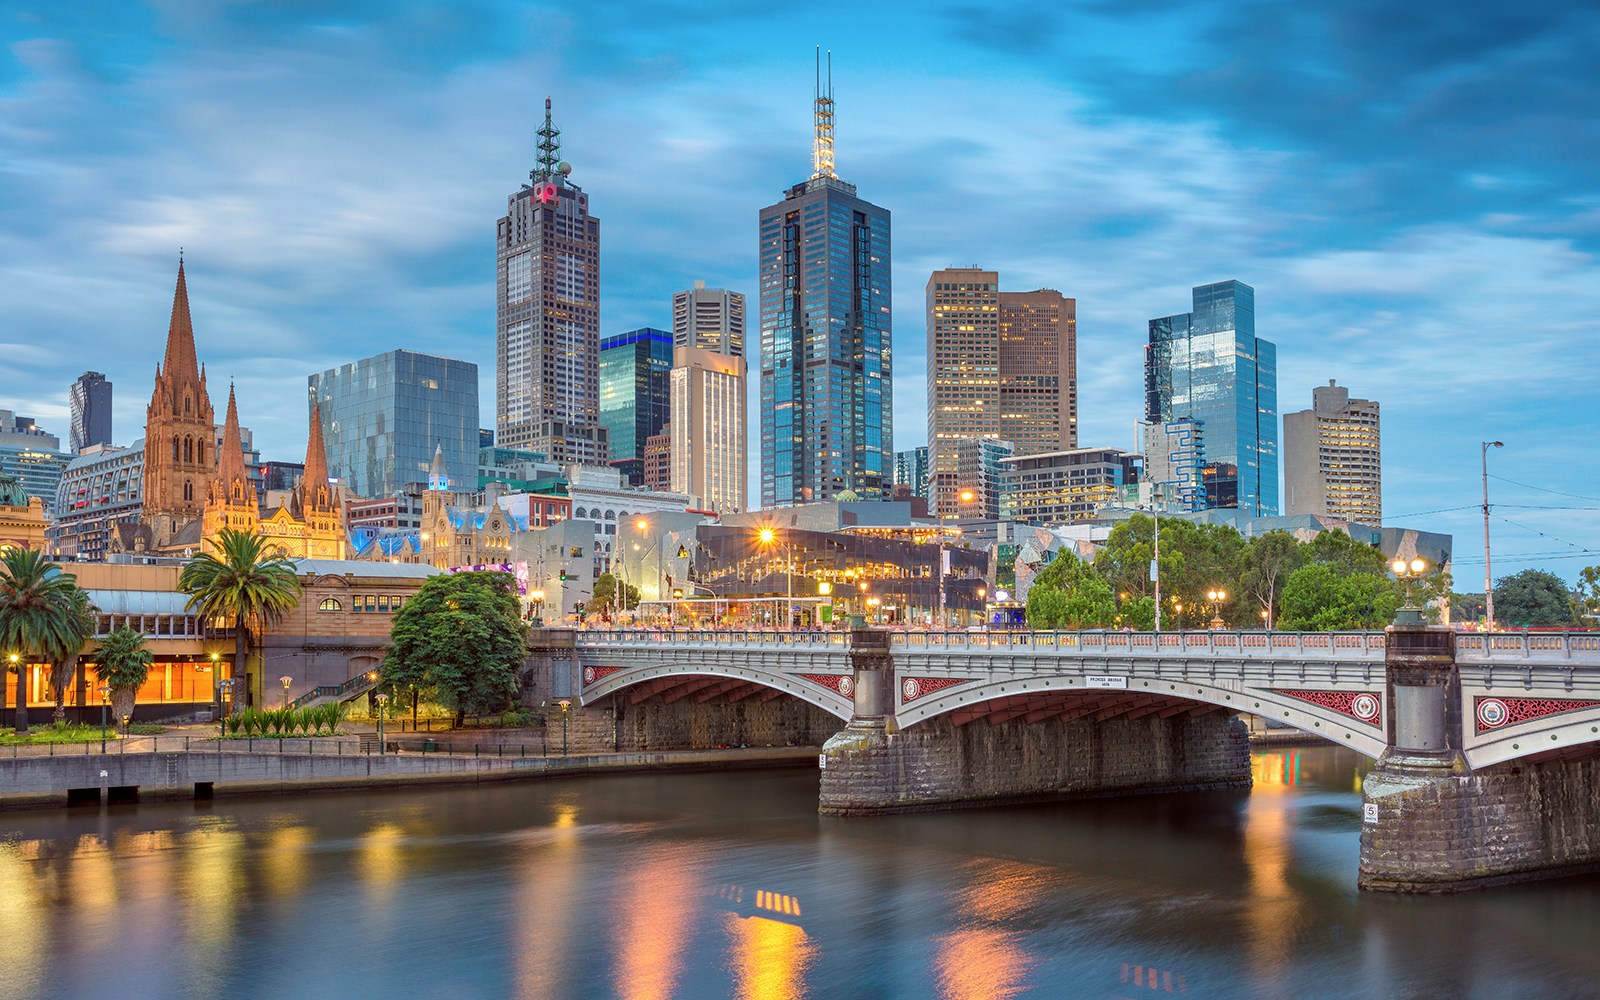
(873, 603)
(538, 606)
(1488, 585)
(983, 610)
(1408, 573)
(1217, 596)
(1266, 619)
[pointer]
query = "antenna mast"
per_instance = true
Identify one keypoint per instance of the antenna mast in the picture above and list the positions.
(549, 148)
(822, 144)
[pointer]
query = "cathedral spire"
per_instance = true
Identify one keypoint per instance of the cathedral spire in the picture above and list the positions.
(315, 476)
(180, 360)
(230, 463)
(438, 476)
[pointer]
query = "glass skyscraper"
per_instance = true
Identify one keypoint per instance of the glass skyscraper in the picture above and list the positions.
(1210, 367)
(382, 418)
(826, 398)
(635, 394)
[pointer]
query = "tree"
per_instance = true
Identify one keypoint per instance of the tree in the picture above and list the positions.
(1587, 595)
(1346, 554)
(35, 615)
(1068, 593)
(1318, 598)
(1532, 597)
(462, 640)
(122, 664)
(1268, 563)
(603, 600)
(244, 583)
(65, 659)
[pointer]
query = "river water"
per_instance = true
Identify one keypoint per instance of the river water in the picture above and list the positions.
(730, 885)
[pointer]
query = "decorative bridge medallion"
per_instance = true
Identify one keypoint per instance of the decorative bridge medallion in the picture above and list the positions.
(592, 674)
(842, 684)
(913, 688)
(1493, 713)
(1362, 706)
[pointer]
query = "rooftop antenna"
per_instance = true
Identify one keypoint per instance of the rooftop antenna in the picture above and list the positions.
(549, 148)
(822, 144)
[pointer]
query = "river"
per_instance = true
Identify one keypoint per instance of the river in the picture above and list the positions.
(730, 885)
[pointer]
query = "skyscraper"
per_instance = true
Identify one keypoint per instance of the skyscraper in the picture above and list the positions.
(547, 329)
(1209, 366)
(384, 417)
(1331, 457)
(634, 397)
(1002, 366)
(711, 319)
(826, 396)
(913, 471)
(708, 429)
(90, 398)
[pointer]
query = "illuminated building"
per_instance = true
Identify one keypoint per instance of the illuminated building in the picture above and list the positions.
(1331, 460)
(634, 399)
(707, 450)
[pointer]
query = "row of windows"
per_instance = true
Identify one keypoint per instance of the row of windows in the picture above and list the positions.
(381, 603)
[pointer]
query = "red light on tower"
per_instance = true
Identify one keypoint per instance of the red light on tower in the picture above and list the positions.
(546, 193)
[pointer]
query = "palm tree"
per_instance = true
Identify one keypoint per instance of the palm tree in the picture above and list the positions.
(122, 663)
(65, 660)
(35, 615)
(244, 583)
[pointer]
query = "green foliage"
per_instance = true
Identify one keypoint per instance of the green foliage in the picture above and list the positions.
(38, 615)
(1270, 560)
(1532, 597)
(603, 600)
(244, 584)
(58, 732)
(1069, 594)
(1586, 596)
(315, 720)
(1319, 598)
(1195, 559)
(460, 642)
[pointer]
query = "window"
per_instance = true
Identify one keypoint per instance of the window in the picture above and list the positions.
(371, 602)
(383, 603)
(330, 604)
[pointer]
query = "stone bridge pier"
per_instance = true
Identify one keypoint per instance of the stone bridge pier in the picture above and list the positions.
(1431, 822)
(1014, 754)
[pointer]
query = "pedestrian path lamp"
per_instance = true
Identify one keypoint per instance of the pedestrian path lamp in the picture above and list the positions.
(565, 704)
(105, 704)
(226, 687)
(1408, 573)
(383, 702)
(284, 680)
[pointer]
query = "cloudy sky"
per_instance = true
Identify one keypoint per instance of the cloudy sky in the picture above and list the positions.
(1412, 191)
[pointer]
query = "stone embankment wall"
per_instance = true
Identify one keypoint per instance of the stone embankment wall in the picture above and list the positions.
(937, 764)
(1439, 827)
(690, 725)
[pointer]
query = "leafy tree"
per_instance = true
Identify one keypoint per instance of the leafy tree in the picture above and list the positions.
(1138, 613)
(1318, 598)
(1046, 608)
(65, 659)
(244, 583)
(1346, 554)
(1070, 594)
(461, 640)
(36, 617)
(1467, 607)
(1530, 598)
(1268, 563)
(122, 663)
(603, 600)
(1587, 595)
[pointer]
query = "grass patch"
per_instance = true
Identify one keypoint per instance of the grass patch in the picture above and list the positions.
(56, 732)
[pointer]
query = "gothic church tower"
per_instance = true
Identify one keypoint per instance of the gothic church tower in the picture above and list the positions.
(179, 458)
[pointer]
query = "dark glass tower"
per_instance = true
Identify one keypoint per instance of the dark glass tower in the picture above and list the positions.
(635, 394)
(1210, 367)
(826, 400)
(91, 411)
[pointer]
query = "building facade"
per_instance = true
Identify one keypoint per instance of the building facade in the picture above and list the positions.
(711, 319)
(1175, 466)
(1001, 366)
(1067, 486)
(1208, 365)
(658, 460)
(100, 489)
(32, 457)
(1332, 463)
(22, 524)
(826, 358)
(984, 486)
(90, 399)
(383, 417)
(913, 472)
(708, 429)
(547, 307)
(635, 401)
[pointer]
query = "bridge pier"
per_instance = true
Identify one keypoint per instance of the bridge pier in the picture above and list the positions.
(1431, 823)
(871, 766)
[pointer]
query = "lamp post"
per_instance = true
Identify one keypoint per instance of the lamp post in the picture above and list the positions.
(105, 704)
(1408, 573)
(538, 607)
(285, 680)
(1488, 586)
(767, 537)
(1217, 596)
(226, 688)
(15, 660)
(216, 678)
(983, 611)
(383, 700)
(873, 603)
(565, 704)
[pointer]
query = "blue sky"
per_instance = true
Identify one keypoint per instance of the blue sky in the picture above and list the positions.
(1412, 192)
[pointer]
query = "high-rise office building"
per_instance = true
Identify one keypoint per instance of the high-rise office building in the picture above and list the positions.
(980, 469)
(547, 328)
(90, 398)
(384, 417)
(634, 397)
(711, 319)
(1001, 366)
(708, 429)
(1331, 460)
(1208, 365)
(913, 470)
(1174, 478)
(1067, 486)
(32, 457)
(826, 359)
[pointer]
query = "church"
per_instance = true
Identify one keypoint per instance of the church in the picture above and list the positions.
(193, 488)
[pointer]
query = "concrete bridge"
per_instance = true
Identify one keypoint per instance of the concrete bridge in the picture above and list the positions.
(1489, 741)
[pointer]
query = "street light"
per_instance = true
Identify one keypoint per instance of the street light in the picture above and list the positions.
(538, 606)
(565, 704)
(284, 680)
(873, 602)
(1488, 587)
(1217, 596)
(383, 700)
(767, 537)
(105, 703)
(1408, 573)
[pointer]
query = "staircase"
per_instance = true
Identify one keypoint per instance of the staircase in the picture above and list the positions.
(348, 691)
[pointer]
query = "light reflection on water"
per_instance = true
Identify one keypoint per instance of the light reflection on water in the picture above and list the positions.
(704, 886)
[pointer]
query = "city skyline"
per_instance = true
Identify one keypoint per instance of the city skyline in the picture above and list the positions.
(1391, 237)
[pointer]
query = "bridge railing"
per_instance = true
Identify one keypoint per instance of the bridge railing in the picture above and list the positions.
(714, 637)
(1318, 644)
(1579, 648)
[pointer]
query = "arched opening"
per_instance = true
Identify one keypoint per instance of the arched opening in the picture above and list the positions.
(188, 450)
(330, 604)
(174, 447)
(200, 452)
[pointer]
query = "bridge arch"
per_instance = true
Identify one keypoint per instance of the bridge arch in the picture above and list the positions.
(707, 680)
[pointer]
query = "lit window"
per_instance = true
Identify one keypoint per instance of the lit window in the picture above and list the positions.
(330, 604)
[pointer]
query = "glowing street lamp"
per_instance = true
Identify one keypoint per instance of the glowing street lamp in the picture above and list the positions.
(565, 704)
(383, 700)
(105, 703)
(1217, 596)
(1408, 573)
(285, 680)
(768, 536)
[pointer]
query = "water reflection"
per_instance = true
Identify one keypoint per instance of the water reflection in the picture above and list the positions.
(768, 958)
(549, 888)
(656, 902)
(985, 957)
